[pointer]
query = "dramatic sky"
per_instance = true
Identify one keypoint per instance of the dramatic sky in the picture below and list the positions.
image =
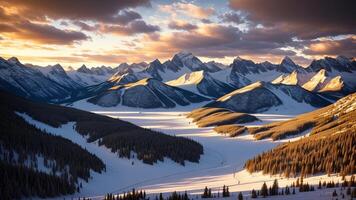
(108, 32)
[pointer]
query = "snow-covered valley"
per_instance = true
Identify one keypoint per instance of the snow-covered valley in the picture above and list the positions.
(221, 164)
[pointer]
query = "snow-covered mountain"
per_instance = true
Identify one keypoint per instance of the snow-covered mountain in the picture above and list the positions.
(124, 68)
(333, 77)
(57, 74)
(29, 82)
(86, 77)
(202, 82)
(146, 93)
(264, 96)
(181, 63)
(215, 65)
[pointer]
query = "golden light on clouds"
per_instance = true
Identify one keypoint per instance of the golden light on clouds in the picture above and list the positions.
(131, 31)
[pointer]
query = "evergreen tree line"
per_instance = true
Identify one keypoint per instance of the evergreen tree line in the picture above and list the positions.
(121, 137)
(19, 181)
(302, 187)
(207, 192)
(133, 195)
(315, 154)
(141, 195)
(19, 138)
(21, 144)
(265, 191)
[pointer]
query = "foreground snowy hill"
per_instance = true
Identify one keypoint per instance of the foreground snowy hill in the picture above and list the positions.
(263, 96)
(146, 93)
(39, 149)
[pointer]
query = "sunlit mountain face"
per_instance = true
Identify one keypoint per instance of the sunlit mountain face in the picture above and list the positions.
(111, 32)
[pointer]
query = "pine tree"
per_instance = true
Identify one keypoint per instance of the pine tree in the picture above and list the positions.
(264, 190)
(334, 193)
(186, 196)
(253, 194)
(205, 194)
(240, 197)
(224, 191)
(274, 188)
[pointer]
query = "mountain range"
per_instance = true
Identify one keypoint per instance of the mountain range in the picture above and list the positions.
(183, 80)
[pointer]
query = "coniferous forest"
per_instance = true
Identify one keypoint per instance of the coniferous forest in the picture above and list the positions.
(120, 136)
(315, 154)
(22, 144)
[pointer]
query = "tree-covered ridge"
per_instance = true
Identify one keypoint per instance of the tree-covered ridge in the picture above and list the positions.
(120, 136)
(21, 142)
(330, 148)
(20, 146)
(320, 153)
(336, 117)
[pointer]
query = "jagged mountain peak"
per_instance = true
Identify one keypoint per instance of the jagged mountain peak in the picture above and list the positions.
(57, 67)
(123, 65)
(156, 62)
(340, 64)
(288, 65)
(287, 60)
(14, 60)
(84, 69)
(184, 54)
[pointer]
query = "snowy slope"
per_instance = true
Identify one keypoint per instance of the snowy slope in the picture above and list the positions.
(57, 74)
(275, 98)
(87, 78)
(221, 164)
(146, 93)
(202, 82)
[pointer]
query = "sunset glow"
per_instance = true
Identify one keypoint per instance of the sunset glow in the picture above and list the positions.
(97, 33)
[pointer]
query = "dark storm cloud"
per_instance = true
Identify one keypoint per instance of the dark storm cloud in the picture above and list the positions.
(106, 11)
(135, 27)
(308, 18)
(181, 25)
